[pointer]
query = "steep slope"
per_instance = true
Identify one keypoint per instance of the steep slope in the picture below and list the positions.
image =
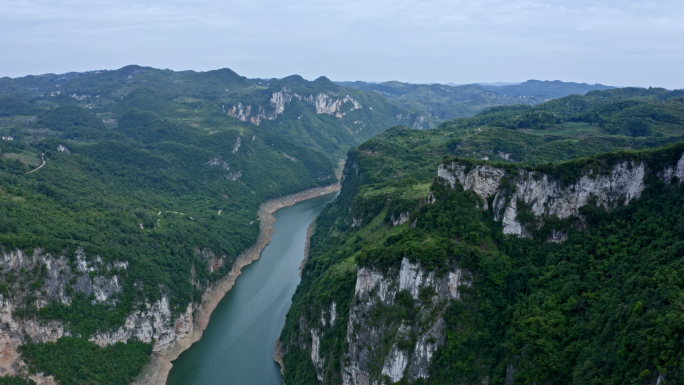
(442, 102)
(111, 246)
(464, 271)
(317, 114)
(445, 102)
(416, 273)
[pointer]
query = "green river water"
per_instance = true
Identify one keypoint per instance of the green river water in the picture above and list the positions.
(238, 345)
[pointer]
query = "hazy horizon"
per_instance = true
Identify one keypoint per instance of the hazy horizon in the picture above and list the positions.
(619, 43)
(494, 83)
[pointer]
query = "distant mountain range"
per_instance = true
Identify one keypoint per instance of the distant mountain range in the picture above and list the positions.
(553, 89)
(317, 114)
(447, 101)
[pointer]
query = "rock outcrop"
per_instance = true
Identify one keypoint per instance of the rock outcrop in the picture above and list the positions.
(154, 322)
(92, 277)
(546, 196)
(322, 102)
(412, 343)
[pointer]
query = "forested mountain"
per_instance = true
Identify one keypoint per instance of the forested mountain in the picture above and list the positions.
(445, 102)
(124, 195)
(547, 88)
(550, 261)
(317, 114)
(127, 193)
(120, 208)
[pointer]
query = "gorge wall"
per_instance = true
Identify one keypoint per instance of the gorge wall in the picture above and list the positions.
(394, 319)
(40, 278)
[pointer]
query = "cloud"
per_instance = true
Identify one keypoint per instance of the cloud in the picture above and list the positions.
(619, 43)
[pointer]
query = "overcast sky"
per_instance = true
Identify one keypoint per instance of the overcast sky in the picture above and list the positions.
(615, 42)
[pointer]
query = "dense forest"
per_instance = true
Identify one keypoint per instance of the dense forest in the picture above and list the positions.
(601, 307)
(124, 190)
(446, 102)
(133, 183)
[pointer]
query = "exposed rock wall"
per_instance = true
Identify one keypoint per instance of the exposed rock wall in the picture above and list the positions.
(90, 276)
(546, 196)
(170, 333)
(403, 347)
(322, 102)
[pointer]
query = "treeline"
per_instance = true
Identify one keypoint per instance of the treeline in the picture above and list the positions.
(624, 111)
(144, 193)
(78, 361)
(600, 308)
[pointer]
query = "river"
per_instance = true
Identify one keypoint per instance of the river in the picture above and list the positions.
(238, 345)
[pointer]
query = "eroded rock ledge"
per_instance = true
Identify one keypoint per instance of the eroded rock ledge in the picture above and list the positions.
(545, 195)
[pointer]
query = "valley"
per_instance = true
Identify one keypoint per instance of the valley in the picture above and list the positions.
(523, 233)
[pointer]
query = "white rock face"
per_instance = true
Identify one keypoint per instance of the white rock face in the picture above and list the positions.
(675, 170)
(280, 99)
(240, 111)
(425, 348)
(395, 364)
(484, 180)
(333, 313)
(218, 161)
(237, 144)
(505, 156)
(375, 289)
(454, 282)
(326, 104)
(621, 184)
(401, 219)
(315, 357)
(156, 323)
(418, 122)
(322, 102)
(412, 278)
(367, 280)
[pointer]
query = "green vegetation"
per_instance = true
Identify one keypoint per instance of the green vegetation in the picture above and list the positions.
(145, 191)
(549, 89)
(600, 308)
(441, 102)
(77, 361)
(444, 102)
(205, 99)
(148, 168)
(13, 380)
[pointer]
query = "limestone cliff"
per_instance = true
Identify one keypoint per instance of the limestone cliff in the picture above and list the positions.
(412, 341)
(545, 195)
(388, 323)
(323, 103)
(151, 322)
(22, 271)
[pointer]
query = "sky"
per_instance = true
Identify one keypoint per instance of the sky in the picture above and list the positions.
(613, 42)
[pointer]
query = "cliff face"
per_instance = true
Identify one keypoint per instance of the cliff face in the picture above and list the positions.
(370, 319)
(322, 102)
(91, 276)
(546, 196)
(403, 347)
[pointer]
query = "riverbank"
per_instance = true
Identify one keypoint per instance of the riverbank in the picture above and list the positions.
(160, 364)
(307, 246)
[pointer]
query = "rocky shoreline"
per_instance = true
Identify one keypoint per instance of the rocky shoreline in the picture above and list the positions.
(157, 371)
(307, 246)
